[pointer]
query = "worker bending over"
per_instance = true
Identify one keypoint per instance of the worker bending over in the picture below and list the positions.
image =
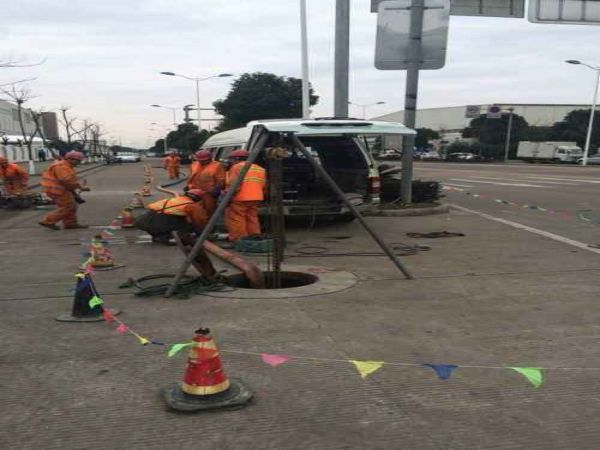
(208, 175)
(59, 182)
(14, 176)
(184, 215)
(241, 215)
(172, 163)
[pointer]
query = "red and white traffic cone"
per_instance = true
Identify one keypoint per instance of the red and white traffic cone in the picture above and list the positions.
(127, 219)
(205, 385)
(137, 201)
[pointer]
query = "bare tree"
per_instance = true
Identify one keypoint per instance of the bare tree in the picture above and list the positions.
(21, 96)
(67, 122)
(96, 133)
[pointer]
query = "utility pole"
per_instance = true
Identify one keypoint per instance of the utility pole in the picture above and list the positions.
(417, 11)
(342, 58)
(508, 134)
(305, 73)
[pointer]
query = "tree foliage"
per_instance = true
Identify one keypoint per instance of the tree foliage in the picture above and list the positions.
(187, 139)
(574, 127)
(425, 136)
(261, 96)
(493, 131)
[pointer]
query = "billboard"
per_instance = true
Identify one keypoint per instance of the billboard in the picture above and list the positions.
(392, 51)
(578, 12)
(489, 8)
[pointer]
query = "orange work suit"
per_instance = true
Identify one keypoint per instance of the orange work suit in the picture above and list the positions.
(241, 215)
(15, 178)
(211, 179)
(59, 182)
(172, 164)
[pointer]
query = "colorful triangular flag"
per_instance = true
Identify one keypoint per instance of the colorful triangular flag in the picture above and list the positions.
(176, 348)
(95, 301)
(143, 340)
(108, 316)
(443, 370)
(366, 368)
(533, 374)
(122, 328)
(274, 360)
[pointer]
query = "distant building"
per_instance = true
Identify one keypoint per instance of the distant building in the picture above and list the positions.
(50, 125)
(451, 120)
(9, 119)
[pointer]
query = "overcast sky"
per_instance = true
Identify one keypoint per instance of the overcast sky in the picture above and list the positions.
(103, 57)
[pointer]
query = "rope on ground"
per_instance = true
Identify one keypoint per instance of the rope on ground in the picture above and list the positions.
(187, 287)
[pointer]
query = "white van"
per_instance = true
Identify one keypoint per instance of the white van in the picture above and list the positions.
(339, 145)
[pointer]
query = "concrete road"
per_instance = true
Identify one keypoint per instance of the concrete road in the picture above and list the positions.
(559, 199)
(498, 297)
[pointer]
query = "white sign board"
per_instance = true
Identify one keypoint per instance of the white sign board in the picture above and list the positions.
(393, 35)
(488, 8)
(579, 12)
(472, 111)
(494, 112)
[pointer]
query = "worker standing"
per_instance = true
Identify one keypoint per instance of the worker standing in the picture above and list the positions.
(172, 163)
(184, 215)
(208, 175)
(59, 182)
(14, 176)
(241, 215)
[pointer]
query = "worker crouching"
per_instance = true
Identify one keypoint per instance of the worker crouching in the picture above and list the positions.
(241, 215)
(14, 176)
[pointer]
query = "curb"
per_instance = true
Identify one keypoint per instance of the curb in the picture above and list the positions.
(442, 209)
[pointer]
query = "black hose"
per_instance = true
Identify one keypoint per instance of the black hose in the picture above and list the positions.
(187, 287)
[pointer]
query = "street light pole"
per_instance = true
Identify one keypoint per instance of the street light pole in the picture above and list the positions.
(508, 134)
(342, 58)
(305, 74)
(198, 104)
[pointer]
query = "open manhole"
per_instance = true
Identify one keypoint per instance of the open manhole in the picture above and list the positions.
(288, 280)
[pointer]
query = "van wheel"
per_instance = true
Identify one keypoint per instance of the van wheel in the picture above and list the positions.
(344, 218)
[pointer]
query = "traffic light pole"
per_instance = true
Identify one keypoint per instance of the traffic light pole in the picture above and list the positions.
(417, 11)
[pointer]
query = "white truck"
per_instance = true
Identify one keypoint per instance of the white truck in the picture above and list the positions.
(561, 152)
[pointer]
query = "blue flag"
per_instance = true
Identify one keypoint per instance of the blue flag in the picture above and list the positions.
(443, 370)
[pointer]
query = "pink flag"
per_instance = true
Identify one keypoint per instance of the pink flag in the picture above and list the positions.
(274, 360)
(108, 316)
(122, 328)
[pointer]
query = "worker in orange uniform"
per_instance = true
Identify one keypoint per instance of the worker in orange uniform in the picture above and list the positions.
(208, 175)
(241, 215)
(184, 215)
(59, 182)
(15, 178)
(172, 164)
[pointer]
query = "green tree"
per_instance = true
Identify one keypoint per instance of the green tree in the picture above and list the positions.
(424, 136)
(261, 96)
(187, 139)
(540, 134)
(493, 131)
(574, 127)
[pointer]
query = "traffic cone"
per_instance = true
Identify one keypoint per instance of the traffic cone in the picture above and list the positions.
(85, 290)
(146, 192)
(116, 223)
(100, 255)
(205, 385)
(136, 201)
(127, 221)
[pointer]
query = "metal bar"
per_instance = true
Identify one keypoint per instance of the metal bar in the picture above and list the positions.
(588, 138)
(342, 58)
(305, 74)
(508, 134)
(333, 185)
(255, 149)
(412, 88)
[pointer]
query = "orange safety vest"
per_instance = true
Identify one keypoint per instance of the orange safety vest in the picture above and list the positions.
(14, 174)
(172, 161)
(59, 178)
(253, 186)
(175, 206)
(207, 177)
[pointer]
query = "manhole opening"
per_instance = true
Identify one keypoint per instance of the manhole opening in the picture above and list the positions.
(288, 280)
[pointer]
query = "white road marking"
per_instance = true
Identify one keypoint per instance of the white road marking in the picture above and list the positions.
(577, 180)
(497, 183)
(512, 179)
(510, 223)
(457, 185)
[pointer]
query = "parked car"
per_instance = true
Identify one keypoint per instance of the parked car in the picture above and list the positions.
(128, 157)
(463, 157)
(430, 156)
(338, 145)
(592, 160)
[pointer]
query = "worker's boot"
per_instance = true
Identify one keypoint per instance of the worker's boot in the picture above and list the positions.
(51, 226)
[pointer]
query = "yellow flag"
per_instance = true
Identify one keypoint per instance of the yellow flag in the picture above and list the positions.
(143, 340)
(366, 368)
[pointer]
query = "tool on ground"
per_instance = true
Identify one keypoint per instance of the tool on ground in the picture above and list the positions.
(87, 304)
(136, 201)
(205, 385)
(128, 220)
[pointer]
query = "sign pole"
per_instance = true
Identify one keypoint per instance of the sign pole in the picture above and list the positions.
(508, 134)
(410, 102)
(342, 58)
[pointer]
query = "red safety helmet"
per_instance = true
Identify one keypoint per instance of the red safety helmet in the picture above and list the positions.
(203, 155)
(239, 154)
(195, 194)
(75, 155)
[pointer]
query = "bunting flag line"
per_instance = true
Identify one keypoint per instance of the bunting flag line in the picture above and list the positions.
(533, 374)
(443, 371)
(95, 301)
(176, 348)
(122, 328)
(366, 368)
(274, 360)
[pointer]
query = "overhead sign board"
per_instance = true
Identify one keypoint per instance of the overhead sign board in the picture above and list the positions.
(494, 112)
(579, 12)
(393, 35)
(489, 8)
(472, 111)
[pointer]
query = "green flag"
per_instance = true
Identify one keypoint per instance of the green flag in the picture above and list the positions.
(95, 301)
(176, 348)
(533, 374)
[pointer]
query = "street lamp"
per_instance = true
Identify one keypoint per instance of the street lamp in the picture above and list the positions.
(364, 107)
(172, 109)
(197, 80)
(165, 130)
(588, 139)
